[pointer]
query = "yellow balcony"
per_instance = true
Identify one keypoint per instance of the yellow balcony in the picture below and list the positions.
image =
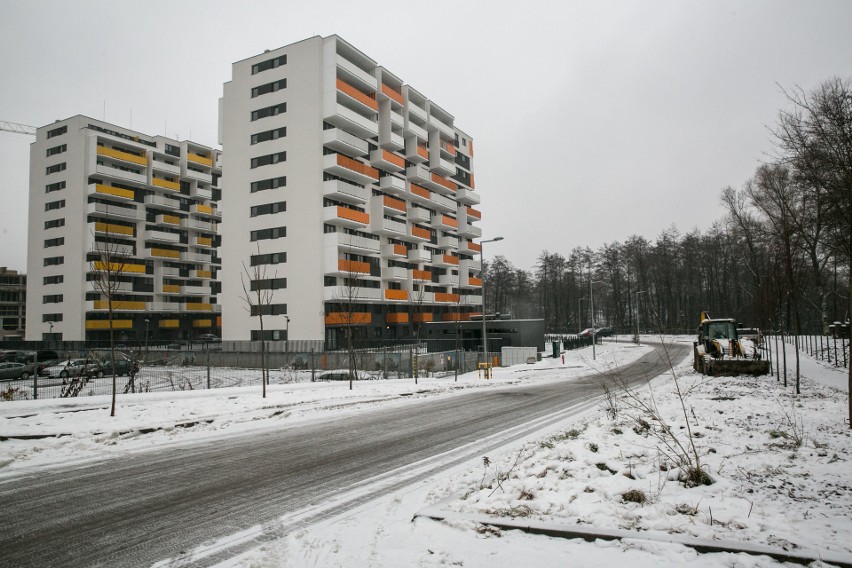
(396, 295)
(122, 305)
(169, 324)
(204, 241)
(202, 323)
(166, 184)
(104, 324)
(118, 267)
(119, 155)
(112, 229)
(116, 191)
(171, 219)
(201, 208)
(203, 274)
(199, 159)
(165, 253)
(198, 307)
(171, 289)
(348, 318)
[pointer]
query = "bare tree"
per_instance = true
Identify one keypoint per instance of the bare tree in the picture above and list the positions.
(348, 296)
(258, 293)
(108, 260)
(418, 301)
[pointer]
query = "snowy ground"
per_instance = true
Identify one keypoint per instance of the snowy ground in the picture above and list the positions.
(780, 465)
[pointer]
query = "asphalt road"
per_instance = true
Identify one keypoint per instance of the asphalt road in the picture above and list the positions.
(144, 508)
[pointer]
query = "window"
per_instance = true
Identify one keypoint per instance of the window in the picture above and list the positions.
(269, 88)
(271, 258)
(54, 223)
(268, 284)
(55, 168)
(57, 131)
(269, 64)
(57, 242)
(52, 205)
(269, 159)
(58, 279)
(51, 299)
(57, 149)
(269, 234)
(269, 208)
(54, 186)
(54, 260)
(272, 183)
(269, 309)
(273, 110)
(269, 135)
(172, 150)
(51, 317)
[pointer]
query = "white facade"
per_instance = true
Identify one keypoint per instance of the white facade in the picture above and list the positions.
(374, 193)
(94, 185)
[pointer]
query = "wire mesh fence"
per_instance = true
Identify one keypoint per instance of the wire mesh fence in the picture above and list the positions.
(87, 369)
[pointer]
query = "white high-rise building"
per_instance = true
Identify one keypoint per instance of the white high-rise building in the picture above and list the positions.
(151, 199)
(350, 197)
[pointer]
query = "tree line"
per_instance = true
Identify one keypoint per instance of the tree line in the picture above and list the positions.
(779, 259)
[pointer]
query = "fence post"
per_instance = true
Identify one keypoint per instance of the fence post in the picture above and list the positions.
(207, 347)
(313, 366)
(836, 361)
(385, 361)
(777, 362)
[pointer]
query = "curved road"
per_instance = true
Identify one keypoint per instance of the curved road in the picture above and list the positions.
(143, 508)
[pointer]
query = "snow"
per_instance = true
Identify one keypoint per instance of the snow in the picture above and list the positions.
(780, 465)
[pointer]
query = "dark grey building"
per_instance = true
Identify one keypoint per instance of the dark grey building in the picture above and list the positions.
(501, 333)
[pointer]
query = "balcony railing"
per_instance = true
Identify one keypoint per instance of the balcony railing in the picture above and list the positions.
(165, 184)
(199, 159)
(393, 94)
(119, 155)
(340, 215)
(357, 95)
(400, 295)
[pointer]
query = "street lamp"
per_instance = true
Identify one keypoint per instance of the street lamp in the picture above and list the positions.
(482, 270)
(637, 314)
(592, 315)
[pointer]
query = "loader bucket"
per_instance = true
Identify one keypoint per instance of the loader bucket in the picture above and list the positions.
(734, 367)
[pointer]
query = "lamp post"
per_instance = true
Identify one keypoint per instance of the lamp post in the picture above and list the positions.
(482, 269)
(637, 314)
(592, 315)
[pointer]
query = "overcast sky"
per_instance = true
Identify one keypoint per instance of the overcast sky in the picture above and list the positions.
(592, 120)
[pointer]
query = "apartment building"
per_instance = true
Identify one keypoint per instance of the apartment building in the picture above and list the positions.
(350, 199)
(148, 201)
(13, 299)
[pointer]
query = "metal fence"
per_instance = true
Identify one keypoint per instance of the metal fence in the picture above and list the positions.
(217, 365)
(831, 350)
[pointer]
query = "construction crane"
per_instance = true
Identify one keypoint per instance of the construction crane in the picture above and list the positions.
(17, 128)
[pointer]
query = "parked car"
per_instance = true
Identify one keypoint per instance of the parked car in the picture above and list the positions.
(10, 355)
(75, 368)
(10, 371)
(604, 332)
(30, 356)
(340, 375)
(122, 367)
(208, 338)
(586, 332)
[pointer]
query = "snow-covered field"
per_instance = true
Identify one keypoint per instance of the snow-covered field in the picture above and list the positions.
(780, 465)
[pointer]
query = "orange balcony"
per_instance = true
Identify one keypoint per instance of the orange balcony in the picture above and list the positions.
(421, 233)
(449, 221)
(422, 151)
(401, 250)
(473, 281)
(422, 318)
(392, 93)
(445, 183)
(471, 212)
(449, 298)
(425, 275)
(396, 318)
(471, 182)
(449, 148)
(356, 166)
(470, 151)
(353, 266)
(348, 318)
(445, 259)
(362, 98)
(396, 295)
(456, 316)
(474, 246)
(392, 203)
(420, 191)
(393, 159)
(349, 214)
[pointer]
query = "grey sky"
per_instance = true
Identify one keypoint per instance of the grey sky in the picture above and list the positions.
(592, 120)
